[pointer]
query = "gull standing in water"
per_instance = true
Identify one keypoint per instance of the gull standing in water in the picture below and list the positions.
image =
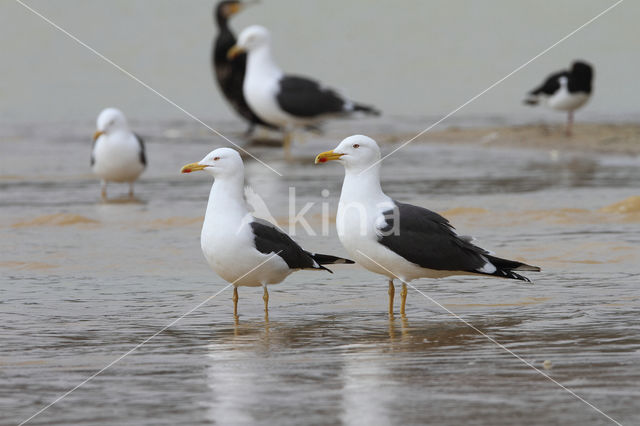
(400, 240)
(118, 154)
(243, 250)
(286, 101)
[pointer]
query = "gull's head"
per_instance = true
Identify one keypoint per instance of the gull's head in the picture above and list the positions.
(356, 153)
(109, 120)
(250, 38)
(219, 163)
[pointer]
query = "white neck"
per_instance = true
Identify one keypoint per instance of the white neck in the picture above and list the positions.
(363, 187)
(227, 199)
(260, 63)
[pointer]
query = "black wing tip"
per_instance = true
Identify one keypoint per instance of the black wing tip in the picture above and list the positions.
(327, 259)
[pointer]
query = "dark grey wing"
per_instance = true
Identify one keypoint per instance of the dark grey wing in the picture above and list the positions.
(143, 157)
(302, 97)
(427, 239)
(269, 239)
(551, 85)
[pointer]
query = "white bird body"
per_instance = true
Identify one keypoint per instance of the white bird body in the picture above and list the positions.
(117, 157)
(118, 154)
(227, 240)
(261, 85)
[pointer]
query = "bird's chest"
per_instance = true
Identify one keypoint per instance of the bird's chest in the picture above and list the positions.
(117, 157)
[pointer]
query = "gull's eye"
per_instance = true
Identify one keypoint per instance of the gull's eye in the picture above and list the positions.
(216, 158)
(356, 145)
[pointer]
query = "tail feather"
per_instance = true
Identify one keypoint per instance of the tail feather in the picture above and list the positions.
(505, 268)
(366, 109)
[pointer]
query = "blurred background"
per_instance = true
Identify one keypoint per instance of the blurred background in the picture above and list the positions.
(411, 59)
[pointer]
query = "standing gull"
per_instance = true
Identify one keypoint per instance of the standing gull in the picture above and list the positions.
(565, 90)
(283, 100)
(230, 72)
(243, 250)
(400, 240)
(118, 154)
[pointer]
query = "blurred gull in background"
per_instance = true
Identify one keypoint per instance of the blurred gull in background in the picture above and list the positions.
(118, 154)
(283, 100)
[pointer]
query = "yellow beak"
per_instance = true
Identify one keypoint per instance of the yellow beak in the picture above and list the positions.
(193, 167)
(323, 157)
(234, 51)
(97, 134)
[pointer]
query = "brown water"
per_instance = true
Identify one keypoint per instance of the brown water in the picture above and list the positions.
(83, 282)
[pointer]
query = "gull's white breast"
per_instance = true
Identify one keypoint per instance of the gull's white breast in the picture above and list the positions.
(117, 157)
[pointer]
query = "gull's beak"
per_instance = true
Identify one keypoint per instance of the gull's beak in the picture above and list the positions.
(193, 167)
(323, 157)
(234, 51)
(97, 134)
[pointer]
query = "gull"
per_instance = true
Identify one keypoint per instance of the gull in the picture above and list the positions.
(401, 240)
(286, 101)
(118, 154)
(240, 248)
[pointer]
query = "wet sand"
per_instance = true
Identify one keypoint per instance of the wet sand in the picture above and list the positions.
(586, 137)
(83, 281)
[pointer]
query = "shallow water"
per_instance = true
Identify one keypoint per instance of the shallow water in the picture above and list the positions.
(83, 282)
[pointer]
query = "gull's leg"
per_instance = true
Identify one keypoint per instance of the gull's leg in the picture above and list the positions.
(403, 298)
(235, 301)
(130, 189)
(391, 292)
(103, 189)
(286, 144)
(569, 123)
(265, 297)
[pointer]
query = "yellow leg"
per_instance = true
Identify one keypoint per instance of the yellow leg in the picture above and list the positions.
(103, 190)
(403, 298)
(235, 301)
(392, 293)
(265, 297)
(287, 145)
